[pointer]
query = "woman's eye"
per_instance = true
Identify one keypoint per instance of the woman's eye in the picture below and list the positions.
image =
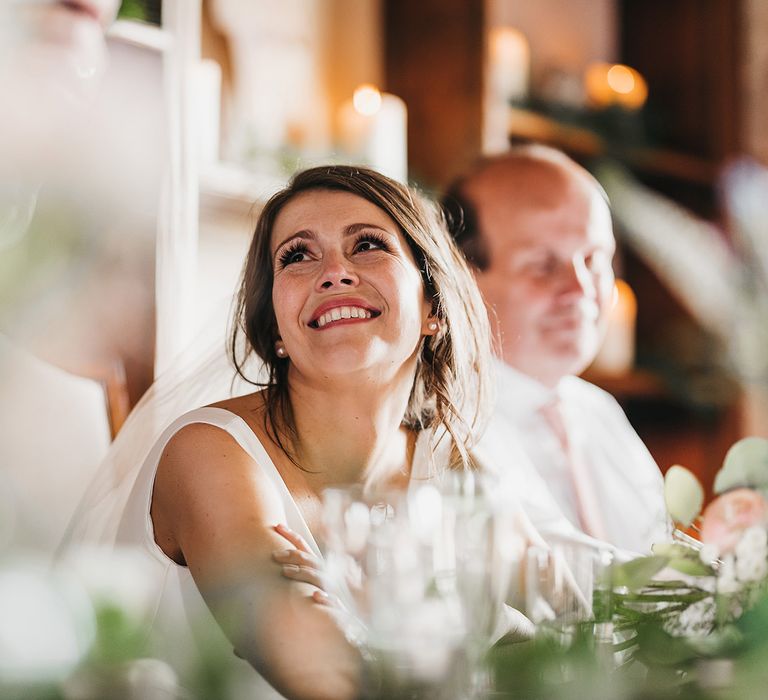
(293, 256)
(369, 243)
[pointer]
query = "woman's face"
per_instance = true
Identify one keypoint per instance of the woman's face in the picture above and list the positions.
(348, 297)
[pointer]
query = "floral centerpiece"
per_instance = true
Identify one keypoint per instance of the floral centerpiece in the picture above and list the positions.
(689, 621)
(732, 529)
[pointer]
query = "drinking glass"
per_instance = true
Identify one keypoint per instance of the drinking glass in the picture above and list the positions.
(569, 584)
(420, 576)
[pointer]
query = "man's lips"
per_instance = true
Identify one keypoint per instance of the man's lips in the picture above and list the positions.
(342, 310)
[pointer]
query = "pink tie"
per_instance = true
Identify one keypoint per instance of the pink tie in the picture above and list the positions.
(586, 497)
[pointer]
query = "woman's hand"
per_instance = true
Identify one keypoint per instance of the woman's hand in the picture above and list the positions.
(301, 564)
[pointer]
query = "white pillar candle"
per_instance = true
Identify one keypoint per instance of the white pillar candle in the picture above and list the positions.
(617, 354)
(508, 66)
(373, 132)
(510, 63)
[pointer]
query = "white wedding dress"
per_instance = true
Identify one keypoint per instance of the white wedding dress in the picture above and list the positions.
(177, 615)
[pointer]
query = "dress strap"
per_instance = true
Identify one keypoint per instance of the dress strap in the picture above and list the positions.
(250, 443)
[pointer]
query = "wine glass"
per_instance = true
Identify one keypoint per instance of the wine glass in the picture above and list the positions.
(421, 577)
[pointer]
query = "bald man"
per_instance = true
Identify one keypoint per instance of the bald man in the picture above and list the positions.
(537, 229)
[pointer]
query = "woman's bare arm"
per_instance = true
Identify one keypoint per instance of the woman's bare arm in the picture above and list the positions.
(214, 509)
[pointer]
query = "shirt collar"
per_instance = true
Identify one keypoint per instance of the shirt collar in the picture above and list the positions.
(519, 393)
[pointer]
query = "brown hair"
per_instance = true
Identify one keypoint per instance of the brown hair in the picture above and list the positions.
(451, 386)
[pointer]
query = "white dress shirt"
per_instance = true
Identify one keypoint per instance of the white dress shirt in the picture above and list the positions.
(521, 447)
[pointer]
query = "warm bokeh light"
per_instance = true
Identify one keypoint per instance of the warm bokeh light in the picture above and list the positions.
(609, 84)
(620, 78)
(616, 357)
(367, 100)
(510, 57)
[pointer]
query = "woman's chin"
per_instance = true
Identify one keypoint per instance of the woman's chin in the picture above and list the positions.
(346, 363)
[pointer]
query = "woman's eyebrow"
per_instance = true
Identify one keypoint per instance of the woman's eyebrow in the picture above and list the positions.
(355, 228)
(304, 235)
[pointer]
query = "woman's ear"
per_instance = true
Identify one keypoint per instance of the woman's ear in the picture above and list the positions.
(431, 326)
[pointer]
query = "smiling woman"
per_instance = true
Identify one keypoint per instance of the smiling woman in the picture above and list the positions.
(385, 229)
(374, 343)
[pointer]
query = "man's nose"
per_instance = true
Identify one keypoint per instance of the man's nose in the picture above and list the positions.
(336, 271)
(578, 278)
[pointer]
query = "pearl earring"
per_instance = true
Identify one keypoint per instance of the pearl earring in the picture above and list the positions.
(432, 326)
(280, 350)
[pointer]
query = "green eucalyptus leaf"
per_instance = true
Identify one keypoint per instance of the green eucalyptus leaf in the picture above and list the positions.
(690, 566)
(745, 464)
(674, 550)
(683, 495)
(683, 559)
(637, 573)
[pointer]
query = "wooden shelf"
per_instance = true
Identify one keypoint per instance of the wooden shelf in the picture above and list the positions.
(529, 125)
(636, 384)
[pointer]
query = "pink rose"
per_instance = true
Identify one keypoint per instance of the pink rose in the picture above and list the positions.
(726, 518)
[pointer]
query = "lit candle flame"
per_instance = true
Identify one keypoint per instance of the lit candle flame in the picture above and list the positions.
(367, 100)
(615, 84)
(620, 78)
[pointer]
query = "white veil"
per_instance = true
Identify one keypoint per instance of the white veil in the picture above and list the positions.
(201, 374)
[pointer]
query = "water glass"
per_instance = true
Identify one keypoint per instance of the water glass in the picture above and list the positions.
(566, 585)
(421, 577)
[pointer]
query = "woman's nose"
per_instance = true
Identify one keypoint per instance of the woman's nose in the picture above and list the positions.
(336, 272)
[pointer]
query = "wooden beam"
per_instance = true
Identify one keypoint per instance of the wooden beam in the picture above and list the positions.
(434, 61)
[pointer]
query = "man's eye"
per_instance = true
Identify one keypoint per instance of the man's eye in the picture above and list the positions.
(542, 266)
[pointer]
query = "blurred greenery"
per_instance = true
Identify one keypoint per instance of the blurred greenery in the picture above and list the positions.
(132, 9)
(142, 10)
(669, 640)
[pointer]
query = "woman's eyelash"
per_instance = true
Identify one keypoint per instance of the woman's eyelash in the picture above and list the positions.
(301, 248)
(375, 238)
(297, 248)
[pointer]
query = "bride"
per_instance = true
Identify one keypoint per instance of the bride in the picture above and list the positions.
(375, 347)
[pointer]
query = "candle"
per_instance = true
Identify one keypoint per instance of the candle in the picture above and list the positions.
(617, 353)
(372, 131)
(508, 67)
(509, 63)
(616, 84)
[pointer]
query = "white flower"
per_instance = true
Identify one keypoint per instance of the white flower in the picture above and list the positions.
(726, 578)
(751, 568)
(755, 539)
(751, 555)
(696, 620)
(709, 554)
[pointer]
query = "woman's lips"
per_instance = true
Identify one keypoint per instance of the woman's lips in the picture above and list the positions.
(342, 311)
(341, 314)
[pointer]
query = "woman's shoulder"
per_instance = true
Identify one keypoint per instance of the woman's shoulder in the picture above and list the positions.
(212, 471)
(247, 407)
(221, 422)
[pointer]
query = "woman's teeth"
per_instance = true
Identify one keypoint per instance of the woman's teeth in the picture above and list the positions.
(342, 312)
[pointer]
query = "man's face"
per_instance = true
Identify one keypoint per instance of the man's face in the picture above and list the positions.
(550, 280)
